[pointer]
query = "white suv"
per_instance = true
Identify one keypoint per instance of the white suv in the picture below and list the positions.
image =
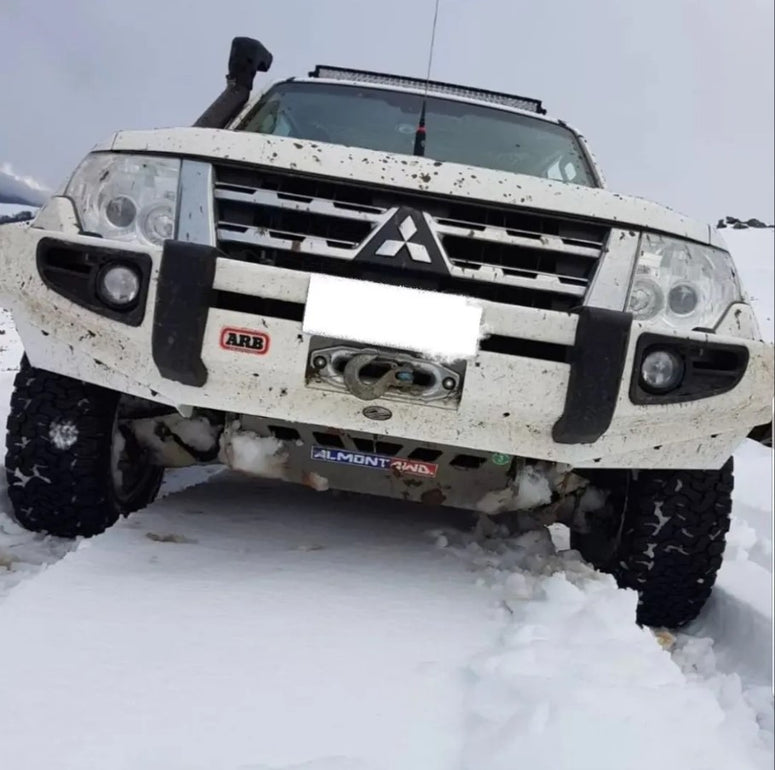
(366, 282)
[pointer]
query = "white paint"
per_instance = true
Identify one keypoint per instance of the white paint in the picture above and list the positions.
(753, 253)
(443, 326)
(412, 173)
(65, 338)
(58, 213)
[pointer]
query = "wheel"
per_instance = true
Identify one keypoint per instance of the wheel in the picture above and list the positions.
(662, 533)
(72, 467)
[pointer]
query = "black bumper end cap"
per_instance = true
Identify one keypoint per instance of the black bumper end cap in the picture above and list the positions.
(596, 371)
(182, 302)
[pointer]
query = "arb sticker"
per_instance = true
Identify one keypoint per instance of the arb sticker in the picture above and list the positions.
(245, 340)
(375, 462)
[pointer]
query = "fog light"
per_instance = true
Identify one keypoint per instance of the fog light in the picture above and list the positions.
(118, 285)
(661, 370)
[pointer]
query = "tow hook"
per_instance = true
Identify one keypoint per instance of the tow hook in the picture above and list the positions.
(398, 375)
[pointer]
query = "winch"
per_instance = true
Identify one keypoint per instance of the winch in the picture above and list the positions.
(371, 373)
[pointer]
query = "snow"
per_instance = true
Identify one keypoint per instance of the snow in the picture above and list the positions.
(247, 452)
(9, 209)
(63, 434)
(241, 625)
(245, 624)
(532, 489)
(445, 326)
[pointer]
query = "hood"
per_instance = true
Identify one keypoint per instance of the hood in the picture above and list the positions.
(419, 174)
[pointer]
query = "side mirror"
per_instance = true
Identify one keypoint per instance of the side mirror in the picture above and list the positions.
(247, 57)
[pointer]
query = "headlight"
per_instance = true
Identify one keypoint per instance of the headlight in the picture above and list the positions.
(127, 197)
(682, 284)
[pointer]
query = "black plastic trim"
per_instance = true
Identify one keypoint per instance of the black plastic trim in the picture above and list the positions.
(516, 346)
(72, 269)
(596, 369)
(262, 306)
(710, 368)
(182, 303)
(763, 434)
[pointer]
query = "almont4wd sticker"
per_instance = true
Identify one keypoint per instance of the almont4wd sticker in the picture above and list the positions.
(245, 340)
(375, 462)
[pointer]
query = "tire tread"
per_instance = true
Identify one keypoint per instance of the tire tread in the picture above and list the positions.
(68, 492)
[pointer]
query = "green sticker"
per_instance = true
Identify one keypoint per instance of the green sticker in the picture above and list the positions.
(500, 459)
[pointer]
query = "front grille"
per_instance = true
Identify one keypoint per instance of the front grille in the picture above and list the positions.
(294, 311)
(500, 254)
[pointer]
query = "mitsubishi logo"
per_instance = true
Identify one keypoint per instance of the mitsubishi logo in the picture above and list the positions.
(408, 230)
(404, 241)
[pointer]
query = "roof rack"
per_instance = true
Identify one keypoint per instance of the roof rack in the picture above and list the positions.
(382, 78)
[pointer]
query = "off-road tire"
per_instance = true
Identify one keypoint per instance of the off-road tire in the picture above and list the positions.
(58, 460)
(663, 534)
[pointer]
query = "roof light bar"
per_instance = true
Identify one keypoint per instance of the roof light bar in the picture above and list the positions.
(381, 78)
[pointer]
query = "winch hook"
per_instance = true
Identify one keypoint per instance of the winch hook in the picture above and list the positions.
(395, 376)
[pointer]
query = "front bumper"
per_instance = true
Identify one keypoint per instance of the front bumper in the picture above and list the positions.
(522, 399)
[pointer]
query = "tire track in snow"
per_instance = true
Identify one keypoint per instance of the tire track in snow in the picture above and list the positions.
(573, 684)
(240, 615)
(24, 554)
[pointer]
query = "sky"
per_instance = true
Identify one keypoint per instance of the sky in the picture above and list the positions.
(674, 96)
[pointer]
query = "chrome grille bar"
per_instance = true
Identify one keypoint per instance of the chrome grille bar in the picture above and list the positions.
(278, 218)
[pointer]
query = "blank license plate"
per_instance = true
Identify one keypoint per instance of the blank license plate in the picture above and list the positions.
(442, 326)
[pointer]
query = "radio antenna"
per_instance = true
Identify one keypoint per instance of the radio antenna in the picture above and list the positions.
(420, 134)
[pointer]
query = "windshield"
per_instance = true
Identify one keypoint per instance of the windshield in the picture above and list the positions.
(379, 119)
